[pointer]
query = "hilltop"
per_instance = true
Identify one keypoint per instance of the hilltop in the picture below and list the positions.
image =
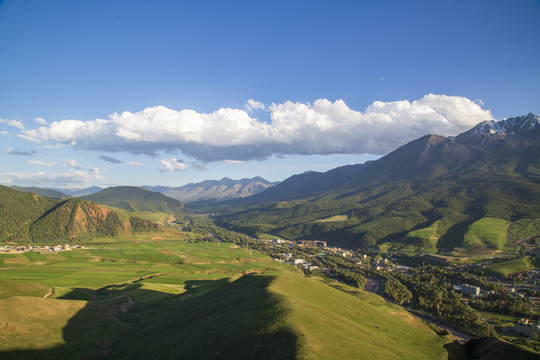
(42, 191)
(132, 198)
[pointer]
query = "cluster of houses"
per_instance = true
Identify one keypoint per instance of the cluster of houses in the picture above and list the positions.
(38, 248)
(363, 259)
(289, 259)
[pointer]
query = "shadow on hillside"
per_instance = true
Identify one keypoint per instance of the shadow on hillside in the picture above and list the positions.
(211, 320)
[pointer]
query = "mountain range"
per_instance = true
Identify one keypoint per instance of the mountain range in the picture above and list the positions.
(208, 190)
(435, 184)
(492, 170)
(223, 189)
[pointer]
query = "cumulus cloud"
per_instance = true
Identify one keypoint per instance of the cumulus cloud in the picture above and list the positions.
(172, 164)
(321, 127)
(41, 163)
(110, 159)
(23, 152)
(40, 120)
(252, 105)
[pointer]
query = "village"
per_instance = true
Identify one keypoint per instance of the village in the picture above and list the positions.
(291, 252)
(40, 248)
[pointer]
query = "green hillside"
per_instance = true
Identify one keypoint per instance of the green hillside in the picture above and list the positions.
(393, 202)
(487, 233)
(286, 316)
(390, 212)
(133, 199)
(27, 217)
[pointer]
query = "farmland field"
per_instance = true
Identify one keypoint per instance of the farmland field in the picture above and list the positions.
(146, 267)
(189, 298)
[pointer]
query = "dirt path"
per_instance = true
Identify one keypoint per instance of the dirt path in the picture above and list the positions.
(50, 293)
(125, 307)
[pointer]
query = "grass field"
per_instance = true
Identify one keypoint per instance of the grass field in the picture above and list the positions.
(193, 300)
(417, 241)
(287, 316)
(510, 267)
(488, 234)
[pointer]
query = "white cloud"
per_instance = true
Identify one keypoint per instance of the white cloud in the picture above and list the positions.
(56, 146)
(41, 163)
(96, 172)
(171, 164)
(252, 105)
(3, 132)
(13, 123)
(16, 124)
(73, 165)
(324, 127)
(232, 161)
(40, 120)
(134, 163)
(75, 177)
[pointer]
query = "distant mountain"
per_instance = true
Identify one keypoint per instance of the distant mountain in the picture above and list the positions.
(132, 198)
(223, 189)
(492, 170)
(27, 217)
(80, 192)
(42, 191)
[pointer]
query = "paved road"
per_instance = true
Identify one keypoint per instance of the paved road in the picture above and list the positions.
(459, 335)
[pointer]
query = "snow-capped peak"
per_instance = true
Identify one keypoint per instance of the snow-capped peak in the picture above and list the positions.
(515, 126)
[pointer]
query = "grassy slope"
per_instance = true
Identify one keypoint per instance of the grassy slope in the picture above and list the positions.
(196, 309)
(123, 215)
(525, 228)
(31, 323)
(488, 233)
(510, 267)
(417, 241)
(286, 316)
(331, 324)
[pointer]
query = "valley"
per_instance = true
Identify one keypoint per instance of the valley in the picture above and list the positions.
(191, 297)
(368, 261)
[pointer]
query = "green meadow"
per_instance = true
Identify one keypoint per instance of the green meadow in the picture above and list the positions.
(192, 300)
(511, 267)
(488, 234)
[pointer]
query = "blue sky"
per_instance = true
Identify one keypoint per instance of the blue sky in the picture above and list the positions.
(171, 92)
